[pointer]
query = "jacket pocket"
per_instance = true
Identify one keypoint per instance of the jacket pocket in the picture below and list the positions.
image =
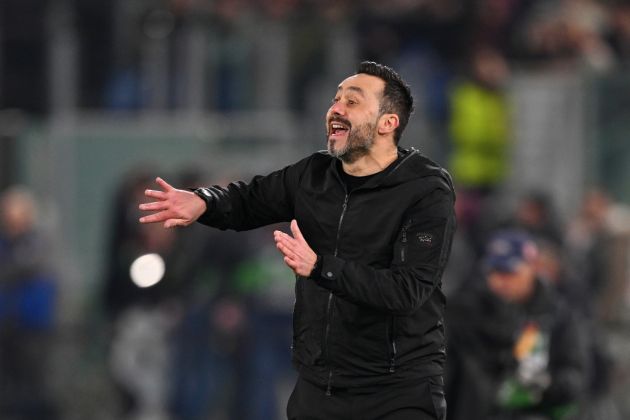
(425, 242)
(306, 346)
(401, 251)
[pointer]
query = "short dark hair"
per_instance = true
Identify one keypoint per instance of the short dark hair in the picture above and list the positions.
(396, 98)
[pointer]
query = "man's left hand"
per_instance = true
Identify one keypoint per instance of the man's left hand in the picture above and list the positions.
(297, 254)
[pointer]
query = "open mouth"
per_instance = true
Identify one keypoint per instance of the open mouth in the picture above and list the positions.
(337, 129)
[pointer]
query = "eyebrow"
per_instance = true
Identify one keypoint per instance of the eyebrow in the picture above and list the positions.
(354, 89)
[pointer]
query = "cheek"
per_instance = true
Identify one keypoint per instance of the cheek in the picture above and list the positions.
(494, 284)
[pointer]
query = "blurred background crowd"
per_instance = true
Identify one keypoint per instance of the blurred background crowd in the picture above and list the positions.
(526, 102)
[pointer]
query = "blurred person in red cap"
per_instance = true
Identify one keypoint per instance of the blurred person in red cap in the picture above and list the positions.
(515, 348)
(371, 229)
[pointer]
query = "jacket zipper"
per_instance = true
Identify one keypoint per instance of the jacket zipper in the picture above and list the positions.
(391, 333)
(391, 337)
(330, 300)
(403, 249)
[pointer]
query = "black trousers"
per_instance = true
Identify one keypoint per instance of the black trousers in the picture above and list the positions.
(421, 401)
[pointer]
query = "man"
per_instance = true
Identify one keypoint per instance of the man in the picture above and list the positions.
(371, 228)
(28, 290)
(515, 350)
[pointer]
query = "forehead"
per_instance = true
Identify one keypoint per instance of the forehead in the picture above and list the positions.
(364, 84)
(521, 271)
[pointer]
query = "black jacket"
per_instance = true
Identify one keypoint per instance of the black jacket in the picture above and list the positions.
(373, 314)
(482, 332)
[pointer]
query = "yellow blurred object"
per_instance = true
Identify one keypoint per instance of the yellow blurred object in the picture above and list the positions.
(479, 129)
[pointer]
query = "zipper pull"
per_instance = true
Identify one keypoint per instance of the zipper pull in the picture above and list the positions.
(392, 361)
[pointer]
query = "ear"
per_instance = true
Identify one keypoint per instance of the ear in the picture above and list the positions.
(387, 124)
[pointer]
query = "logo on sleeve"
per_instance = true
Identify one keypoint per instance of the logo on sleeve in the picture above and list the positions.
(425, 239)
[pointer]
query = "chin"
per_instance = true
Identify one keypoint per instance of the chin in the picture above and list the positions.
(336, 144)
(332, 145)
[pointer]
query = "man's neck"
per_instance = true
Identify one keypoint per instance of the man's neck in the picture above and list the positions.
(379, 158)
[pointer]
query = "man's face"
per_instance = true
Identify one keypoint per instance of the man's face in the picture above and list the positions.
(351, 121)
(17, 214)
(514, 287)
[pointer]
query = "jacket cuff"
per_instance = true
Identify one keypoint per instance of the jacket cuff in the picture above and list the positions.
(317, 268)
(206, 195)
(327, 271)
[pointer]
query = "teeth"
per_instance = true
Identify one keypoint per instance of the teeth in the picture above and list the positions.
(337, 126)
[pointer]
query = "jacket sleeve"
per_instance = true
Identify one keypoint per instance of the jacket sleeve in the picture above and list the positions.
(420, 254)
(242, 206)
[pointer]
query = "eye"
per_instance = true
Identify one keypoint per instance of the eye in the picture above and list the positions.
(334, 100)
(352, 102)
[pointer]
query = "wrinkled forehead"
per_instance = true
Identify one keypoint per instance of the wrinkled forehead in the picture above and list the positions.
(370, 87)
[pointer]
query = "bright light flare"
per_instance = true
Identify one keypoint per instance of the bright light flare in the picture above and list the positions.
(147, 270)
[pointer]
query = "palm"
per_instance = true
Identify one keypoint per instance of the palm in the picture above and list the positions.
(174, 207)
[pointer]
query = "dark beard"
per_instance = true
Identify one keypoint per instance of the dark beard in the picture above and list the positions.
(358, 144)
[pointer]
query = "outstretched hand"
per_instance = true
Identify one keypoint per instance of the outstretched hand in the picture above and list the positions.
(174, 207)
(298, 255)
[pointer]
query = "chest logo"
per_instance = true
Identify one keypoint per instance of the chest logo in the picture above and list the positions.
(425, 239)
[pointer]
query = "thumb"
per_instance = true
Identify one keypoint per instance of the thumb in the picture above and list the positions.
(297, 234)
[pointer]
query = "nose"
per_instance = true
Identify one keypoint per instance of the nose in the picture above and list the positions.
(337, 108)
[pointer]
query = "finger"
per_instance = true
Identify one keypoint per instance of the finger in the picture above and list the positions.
(155, 194)
(171, 223)
(281, 237)
(288, 246)
(291, 263)
(165, 185)
(297, 234)
(286, 251)
(155, 218)
(156, 205)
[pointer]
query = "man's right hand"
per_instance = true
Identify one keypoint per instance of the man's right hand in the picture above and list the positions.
(173, 207)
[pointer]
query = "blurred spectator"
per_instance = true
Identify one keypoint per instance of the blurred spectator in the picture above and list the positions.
(479, 129)
(535, 213)
(496, 21)
(597, 241)
(188, 327)
(618, 36)
(515, 349)
(553, 267)
(589, 240)
(135, 302)
(462, 260)
(209, 335)
(266, 376)
(119, 291)
(480, 123)
(567, 32)
(27, 310)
